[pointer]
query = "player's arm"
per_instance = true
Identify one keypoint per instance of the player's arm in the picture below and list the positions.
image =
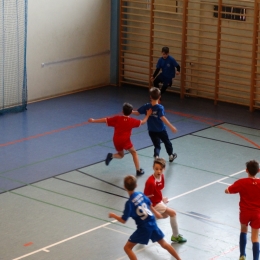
(172, 127)
(100, 120)
(148, 113)
(135, 112)
(227, 191)
(178, 68)
(156, 213)
(156, 72)
(118, 218)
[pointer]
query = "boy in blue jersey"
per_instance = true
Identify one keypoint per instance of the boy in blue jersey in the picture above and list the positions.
(156, 124)
(139, 208)
(167, 64)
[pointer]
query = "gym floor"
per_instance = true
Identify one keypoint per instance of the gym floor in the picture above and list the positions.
(56, 191)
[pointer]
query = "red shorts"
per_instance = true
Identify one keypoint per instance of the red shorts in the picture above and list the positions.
(251, 218)
(122, 144)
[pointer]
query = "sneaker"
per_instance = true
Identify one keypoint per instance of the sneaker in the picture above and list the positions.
(172, 157)
(156, 157)
(109, 158)
(139, 172)
(178, 239)
(242, 257)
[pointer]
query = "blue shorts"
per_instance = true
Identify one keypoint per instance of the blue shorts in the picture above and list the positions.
(143, 234)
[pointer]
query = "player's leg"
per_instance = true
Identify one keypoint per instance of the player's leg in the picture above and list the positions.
(169, 248)
(168, 145)
(129, 250)
(176, 236)
(243, 240)
(156, 143)
(139, 171)
(255, 242)
(166, 83)
(157, 81)
(120, 152)
(110, 156)
(119, 155)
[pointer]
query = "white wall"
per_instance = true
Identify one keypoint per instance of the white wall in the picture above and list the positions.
(59, 30)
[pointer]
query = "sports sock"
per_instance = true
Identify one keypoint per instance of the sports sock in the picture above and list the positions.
(256, 250)
(242, 243)
(174, 225)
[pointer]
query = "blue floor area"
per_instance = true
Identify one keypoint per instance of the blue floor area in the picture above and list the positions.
(52, 137)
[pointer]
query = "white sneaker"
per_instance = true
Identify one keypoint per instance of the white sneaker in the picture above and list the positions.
(172, 157)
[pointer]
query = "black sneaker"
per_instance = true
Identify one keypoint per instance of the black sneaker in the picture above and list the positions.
(172, 157)
(109, 158)
(139, 172)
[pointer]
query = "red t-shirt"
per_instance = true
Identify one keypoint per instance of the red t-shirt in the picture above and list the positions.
(123, 126)
(249, 191)
(153, 189)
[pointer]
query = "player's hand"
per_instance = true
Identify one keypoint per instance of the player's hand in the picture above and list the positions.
(152, 79)
(177, 73)
(111, 215)
(149, 112)
(165, 200)
(91, 120)
(174, 129)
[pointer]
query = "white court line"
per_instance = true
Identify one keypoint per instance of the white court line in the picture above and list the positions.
(228, 184)
(104, 225)
(204, 186)
(118, 231)
(65, 240)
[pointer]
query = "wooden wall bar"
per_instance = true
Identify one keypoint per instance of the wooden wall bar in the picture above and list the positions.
(215, 42)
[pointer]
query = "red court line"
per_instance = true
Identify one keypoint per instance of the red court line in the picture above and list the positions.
(224, 253)
(241, 136)
(47, 133)
(206, 121)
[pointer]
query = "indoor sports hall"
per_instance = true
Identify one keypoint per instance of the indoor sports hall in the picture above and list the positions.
(63, 62)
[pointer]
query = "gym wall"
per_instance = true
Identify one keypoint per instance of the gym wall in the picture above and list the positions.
(68, 46)
(215, 42)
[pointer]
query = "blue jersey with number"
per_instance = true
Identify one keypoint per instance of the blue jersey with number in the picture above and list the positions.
(168, 66)
(138, 207)
(154, 122)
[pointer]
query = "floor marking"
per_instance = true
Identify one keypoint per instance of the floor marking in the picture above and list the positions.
(49, 132)
(207, 121)
(65, 240)
(28, 244)
(206, 218)
(203, 186)
(224, 253)
(228, 184)
(118, 231)
(45, 250)
(109, 223)
(239, 135)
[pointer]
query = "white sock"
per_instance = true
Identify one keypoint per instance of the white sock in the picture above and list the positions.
(174, 225)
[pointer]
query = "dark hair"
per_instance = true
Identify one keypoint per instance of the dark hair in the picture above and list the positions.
(160, 161)
(155, 93)
(165, 50)
(130, 182)
(252, 167)
(127, 109)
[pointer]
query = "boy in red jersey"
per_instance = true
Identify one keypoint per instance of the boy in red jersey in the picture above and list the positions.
(153, 190)
(249, 191)
(123, 126)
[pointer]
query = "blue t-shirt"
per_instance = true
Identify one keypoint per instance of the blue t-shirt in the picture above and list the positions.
(154, 122)
(138, 207)
(168, 66)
